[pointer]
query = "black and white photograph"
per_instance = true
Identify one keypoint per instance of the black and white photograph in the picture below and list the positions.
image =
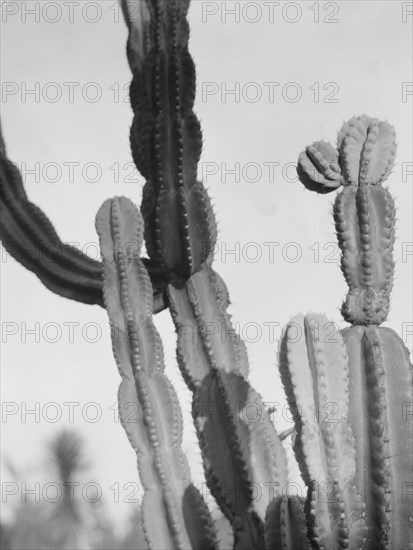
(206, 269)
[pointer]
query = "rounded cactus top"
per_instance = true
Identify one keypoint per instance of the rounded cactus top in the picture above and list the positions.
(365, 154)
(364, 211)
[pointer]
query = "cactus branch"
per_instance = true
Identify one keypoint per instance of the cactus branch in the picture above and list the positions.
(166, 140)
(286, 525)
(157, 434)
(314, 371)
(240, 454)
(379, 367)
(30, 238)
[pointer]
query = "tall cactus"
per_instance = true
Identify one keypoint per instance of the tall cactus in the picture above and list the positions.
(166, 140)
(380, 373)
(347, 395)
(180, 232)
(157, 434)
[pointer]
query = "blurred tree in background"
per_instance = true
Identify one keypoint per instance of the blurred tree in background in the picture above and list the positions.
(71, 522)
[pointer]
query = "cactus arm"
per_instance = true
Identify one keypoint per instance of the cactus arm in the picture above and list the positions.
(223, 437)
(29, 236)
(205, 333)
(364, 211)
(365, 220)
(236, 452)
(166, 141)
(286, 525)
(314, 371)
(367, 149)
(318, 167)
(180, 232)
(380, 388)
(157, 434)
(380, 371)
(137, 19)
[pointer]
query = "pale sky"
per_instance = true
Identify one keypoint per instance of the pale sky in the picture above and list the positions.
(295, 81)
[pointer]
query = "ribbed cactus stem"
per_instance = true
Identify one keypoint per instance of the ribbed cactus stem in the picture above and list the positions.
(206, 337)
(314, 371)
(241, 451)
(166, 141)
(381, 397)
(29, 236)
(364, 211)
(286, 524)
(365, 223)
(380, 372)
(156, 436)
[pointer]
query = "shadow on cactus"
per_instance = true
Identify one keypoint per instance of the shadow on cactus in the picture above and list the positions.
(355, 453)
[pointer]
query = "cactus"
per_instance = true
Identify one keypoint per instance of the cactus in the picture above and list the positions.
(180, 232)
(166, 141)
(379, 383)
(29, 236)
(346, 394)
(286, 525)
(314, 371)
(157, 434)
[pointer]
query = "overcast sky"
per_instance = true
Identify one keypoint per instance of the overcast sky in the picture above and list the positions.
(297, 71)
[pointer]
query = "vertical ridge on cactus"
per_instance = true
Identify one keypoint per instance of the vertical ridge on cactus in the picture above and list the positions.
(157, 434)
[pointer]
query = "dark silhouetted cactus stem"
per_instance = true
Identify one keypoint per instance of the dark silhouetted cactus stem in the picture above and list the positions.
(28, 235)
(30, 238)
(166, 140)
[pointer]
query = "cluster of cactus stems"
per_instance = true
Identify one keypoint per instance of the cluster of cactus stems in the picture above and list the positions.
(347, 393)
